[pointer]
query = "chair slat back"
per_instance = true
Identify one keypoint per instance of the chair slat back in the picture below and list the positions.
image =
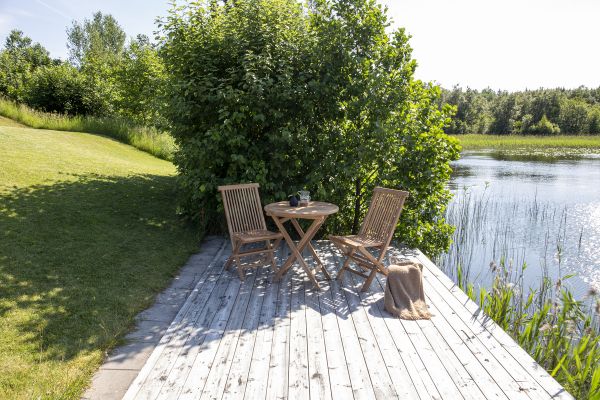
(243, 209)
(384, 212)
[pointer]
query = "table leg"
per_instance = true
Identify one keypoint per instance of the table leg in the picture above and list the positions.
(312, 249)
(296, 250)
(283, 269)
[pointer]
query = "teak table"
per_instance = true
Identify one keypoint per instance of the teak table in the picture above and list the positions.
(317, 211)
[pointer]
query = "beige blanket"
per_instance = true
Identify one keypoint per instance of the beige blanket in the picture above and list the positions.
(404, 296)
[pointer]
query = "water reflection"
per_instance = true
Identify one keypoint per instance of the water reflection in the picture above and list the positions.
(544, 157)
(532, 176)
(542, 213)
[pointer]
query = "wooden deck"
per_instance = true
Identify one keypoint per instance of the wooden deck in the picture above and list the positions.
(261, 340)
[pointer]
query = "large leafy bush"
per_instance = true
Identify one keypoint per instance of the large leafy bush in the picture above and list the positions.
(318, 97)
(19, 58)
(62, 89)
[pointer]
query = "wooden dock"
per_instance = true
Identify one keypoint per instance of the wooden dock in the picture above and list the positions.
(262, 340)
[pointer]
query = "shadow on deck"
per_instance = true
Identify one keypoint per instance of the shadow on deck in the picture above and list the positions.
(263, 339)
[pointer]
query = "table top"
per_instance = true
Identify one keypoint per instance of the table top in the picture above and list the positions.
(314, 209)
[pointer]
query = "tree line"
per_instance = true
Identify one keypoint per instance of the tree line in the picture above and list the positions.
(529, 112)
(105, 75)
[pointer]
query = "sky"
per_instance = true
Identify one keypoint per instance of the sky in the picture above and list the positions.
(501, 44)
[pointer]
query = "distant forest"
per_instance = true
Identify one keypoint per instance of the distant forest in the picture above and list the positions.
(530, 112)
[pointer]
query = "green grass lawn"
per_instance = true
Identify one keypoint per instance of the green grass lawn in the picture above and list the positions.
(512, 142)
(9, 122)
(158, 143)
(88, 236)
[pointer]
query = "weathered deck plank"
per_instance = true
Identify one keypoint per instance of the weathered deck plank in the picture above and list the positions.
(203, 352)
(149, 382)
(390, 378)
(260, 339)
(255, 386)
(236, 380)
(248, 306)
(496, 340)
(298, 374)
(279, 364)
(318, 372)
(339, 378)
(355, 360)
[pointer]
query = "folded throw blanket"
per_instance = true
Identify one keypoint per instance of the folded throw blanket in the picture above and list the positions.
(404, 296)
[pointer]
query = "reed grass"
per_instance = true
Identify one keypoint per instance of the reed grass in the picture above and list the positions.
(513, 142)
(561, 333)
(148, 139)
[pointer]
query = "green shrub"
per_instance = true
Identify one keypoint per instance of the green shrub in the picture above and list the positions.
(594, 121)
(573, 116)
(19, 58)
(544, 127)
(61, 89)
(317, 96)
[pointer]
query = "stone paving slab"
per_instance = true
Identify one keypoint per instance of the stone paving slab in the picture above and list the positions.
(131, 356)
(123, 364)
(173, 296)
(159, 312)
(147, 331)
(110, 384)
(187, 281)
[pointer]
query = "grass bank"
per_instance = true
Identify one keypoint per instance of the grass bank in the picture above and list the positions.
(159, 144)
(514, 142)
(88, 236)
(9, 122)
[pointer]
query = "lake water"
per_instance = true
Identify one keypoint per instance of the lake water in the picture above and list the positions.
(544, 212)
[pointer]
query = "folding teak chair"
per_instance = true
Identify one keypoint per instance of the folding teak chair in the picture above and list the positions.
(375, 234)
(246, 223)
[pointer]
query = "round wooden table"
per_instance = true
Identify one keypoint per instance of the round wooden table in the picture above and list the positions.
(317, 211)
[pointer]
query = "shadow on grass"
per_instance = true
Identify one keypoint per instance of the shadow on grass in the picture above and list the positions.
(79, 259)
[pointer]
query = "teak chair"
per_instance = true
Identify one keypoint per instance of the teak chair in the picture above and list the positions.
(375, 234)
(246, 224)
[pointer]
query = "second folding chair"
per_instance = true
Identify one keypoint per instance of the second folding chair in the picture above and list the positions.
(374, 236)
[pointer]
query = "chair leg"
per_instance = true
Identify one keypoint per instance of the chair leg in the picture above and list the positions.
(235, 255)
(240, 269)
(365, 287)
(272, 254)
(265, 256)
(376, 266)
(228, 263)
(276, 244)
(273, 263)
(234, 252)
(344, 268)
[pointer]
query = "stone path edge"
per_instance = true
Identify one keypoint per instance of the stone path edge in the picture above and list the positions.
(123, 364)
